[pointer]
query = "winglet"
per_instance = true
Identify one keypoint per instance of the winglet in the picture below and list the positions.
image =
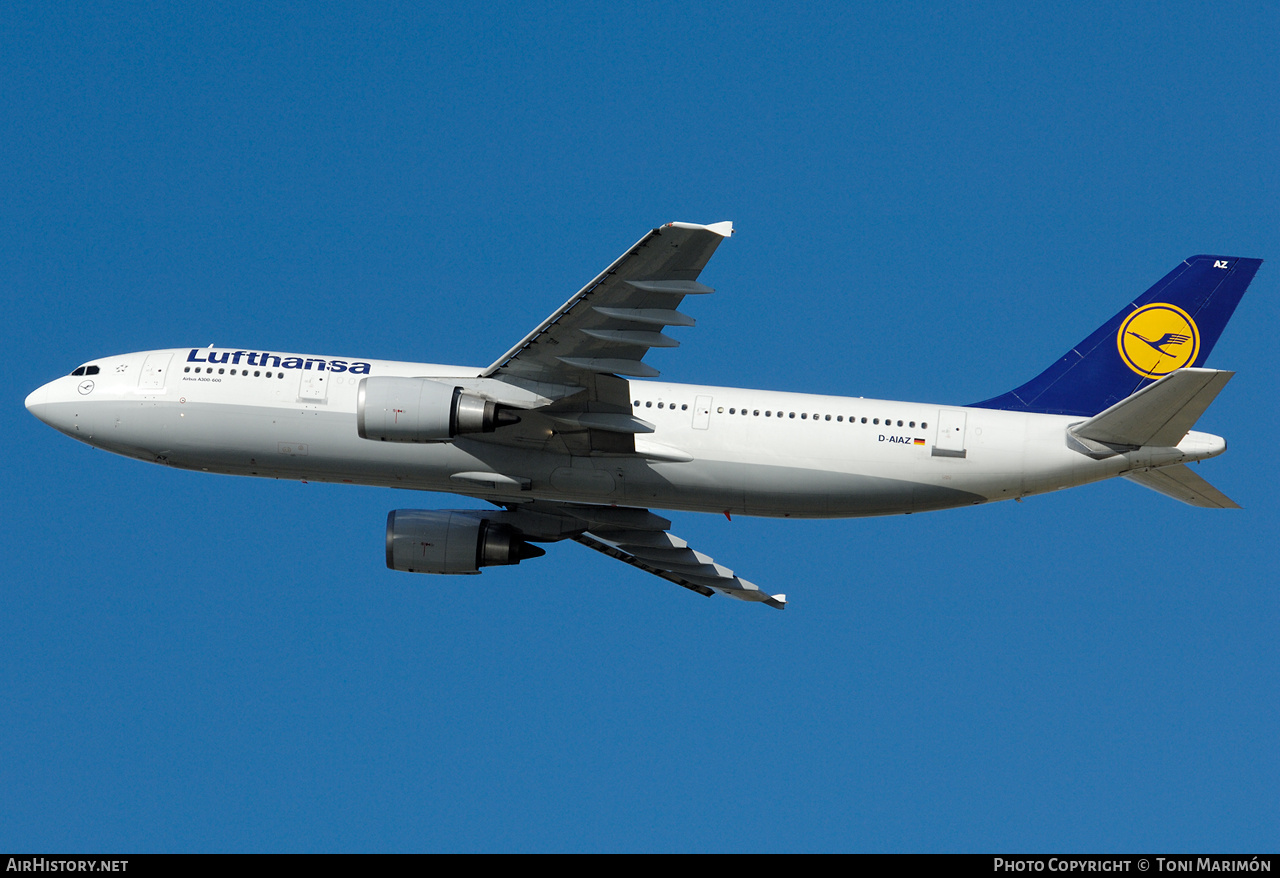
(724, 229)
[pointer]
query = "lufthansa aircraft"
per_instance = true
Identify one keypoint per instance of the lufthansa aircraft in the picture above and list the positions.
(565, 444)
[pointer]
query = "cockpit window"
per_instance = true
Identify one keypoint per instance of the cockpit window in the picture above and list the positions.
(79, 371)
(86, 370)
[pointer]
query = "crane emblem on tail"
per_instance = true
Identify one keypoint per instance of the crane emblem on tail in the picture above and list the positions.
(1157, 339)
(1174, 338)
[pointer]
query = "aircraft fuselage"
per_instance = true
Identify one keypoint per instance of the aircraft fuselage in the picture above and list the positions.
(712, 449)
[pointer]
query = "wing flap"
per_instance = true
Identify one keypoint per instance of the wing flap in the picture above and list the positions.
(648, 316)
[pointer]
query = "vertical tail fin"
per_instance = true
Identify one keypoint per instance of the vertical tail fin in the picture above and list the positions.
(1173, 325)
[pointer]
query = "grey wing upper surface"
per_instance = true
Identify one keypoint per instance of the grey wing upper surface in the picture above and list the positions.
(608, 326)
(573, 367)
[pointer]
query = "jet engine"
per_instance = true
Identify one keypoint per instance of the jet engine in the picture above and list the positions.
(423, 410)
(451, 541)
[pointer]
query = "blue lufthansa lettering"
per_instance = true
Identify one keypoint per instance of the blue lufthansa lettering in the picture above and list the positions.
(276, 361)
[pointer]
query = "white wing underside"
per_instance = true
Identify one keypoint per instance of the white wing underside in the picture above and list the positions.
(636, 536)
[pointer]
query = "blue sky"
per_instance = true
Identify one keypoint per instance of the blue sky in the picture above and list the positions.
(932, 202)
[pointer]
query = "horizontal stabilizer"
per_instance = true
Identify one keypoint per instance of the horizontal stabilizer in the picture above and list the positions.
(1159, 414)
(1180, 483)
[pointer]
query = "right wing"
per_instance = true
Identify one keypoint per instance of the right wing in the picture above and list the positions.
(637, 537)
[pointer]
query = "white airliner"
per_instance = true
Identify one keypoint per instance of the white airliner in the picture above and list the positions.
(565, 445)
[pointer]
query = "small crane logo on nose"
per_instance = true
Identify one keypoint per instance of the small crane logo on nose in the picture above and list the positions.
(85, 387)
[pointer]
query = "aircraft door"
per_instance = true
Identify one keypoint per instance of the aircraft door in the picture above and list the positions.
(702, 413)
(154, 371)
(950, 442)
(314, 386)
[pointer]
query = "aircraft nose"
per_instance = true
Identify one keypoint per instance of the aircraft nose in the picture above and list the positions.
(37, 401)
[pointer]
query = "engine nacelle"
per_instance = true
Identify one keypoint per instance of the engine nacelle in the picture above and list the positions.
(451, 541)
(423, 410)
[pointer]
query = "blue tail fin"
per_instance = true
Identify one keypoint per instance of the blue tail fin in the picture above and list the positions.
(1174, 324)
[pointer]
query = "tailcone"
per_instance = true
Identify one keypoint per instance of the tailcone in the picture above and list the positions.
(1201, 446)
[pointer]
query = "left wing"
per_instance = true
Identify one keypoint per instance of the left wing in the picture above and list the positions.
(570, 369)
(637, 537)
(608, 326)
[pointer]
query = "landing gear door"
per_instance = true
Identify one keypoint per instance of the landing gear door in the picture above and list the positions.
(702, 413)
(950, 442)
(154, 371)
